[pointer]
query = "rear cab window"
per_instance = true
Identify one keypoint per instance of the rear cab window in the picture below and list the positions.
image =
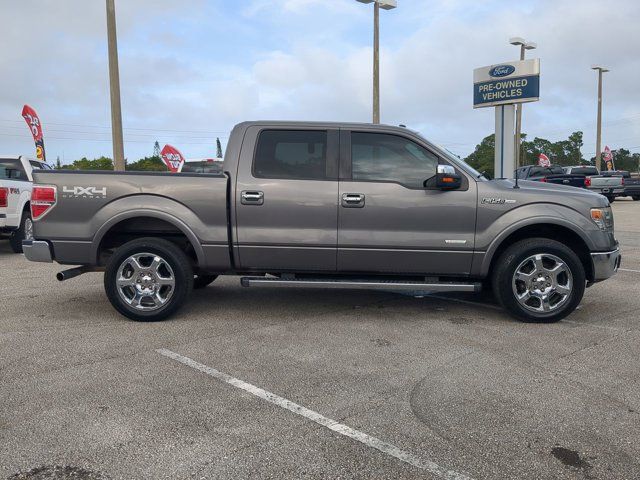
(291, 154)
(202, 167)
(584, 171)
(12, 169)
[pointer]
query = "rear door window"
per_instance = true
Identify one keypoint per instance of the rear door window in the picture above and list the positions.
(291, 154)
(11, 169)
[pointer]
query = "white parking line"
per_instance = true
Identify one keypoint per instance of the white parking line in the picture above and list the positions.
(316, 417)
(628, 270)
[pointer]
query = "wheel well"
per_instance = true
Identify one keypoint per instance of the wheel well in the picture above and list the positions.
(138, 227)
(553, 232)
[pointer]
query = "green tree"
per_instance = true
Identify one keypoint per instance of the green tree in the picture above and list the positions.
(58, 165)
(101, 163)
(483, 156)
(218, 148)
(148, 164)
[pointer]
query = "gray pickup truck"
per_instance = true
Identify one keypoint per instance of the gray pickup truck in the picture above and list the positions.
(611, 186)
(325, 205)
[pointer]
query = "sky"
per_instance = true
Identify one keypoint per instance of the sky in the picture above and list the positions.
(191, 69)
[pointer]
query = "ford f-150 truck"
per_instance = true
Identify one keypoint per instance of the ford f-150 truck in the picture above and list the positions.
(326, 205)
(607, 185)
(15, 193)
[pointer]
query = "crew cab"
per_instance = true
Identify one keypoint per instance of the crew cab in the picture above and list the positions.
(552, 174)
(15, 194)
(607, 185)
(326, 205)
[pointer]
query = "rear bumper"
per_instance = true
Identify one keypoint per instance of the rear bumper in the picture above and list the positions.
(605, 264)
(37, 251)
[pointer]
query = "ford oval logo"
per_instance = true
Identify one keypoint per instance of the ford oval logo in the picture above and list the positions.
(502, 70)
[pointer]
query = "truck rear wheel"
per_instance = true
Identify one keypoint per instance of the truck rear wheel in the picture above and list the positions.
(539, 280)
(25, 232)
(636, 197)
(148, 279)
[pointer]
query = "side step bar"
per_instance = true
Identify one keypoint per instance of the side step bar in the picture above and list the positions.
(361, 284)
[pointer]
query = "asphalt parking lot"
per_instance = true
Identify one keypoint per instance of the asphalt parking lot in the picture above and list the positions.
(392, 386)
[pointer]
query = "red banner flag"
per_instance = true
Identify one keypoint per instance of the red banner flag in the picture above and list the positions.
(543, 160)
(607, 155)
(33, 121)
(172, 158)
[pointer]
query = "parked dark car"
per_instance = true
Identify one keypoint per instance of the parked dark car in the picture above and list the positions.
(631, 184)
(552, 174)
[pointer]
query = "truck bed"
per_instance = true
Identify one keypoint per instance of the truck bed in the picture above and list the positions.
(91, 203)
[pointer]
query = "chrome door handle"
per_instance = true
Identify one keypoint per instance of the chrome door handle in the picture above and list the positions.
(248, 197)
(353, 200)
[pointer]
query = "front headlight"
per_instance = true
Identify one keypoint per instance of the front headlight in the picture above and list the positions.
(603, 217)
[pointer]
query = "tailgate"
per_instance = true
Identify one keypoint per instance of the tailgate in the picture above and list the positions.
(569, 180)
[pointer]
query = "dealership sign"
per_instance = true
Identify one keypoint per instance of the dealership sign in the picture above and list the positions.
(506, 83)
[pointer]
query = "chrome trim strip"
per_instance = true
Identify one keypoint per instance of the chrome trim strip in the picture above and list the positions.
(362, 284)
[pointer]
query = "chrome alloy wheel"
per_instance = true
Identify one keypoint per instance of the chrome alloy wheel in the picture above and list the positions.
(145, 281)
(542, 283)
(28, 229)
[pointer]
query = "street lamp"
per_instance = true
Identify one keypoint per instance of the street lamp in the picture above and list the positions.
(385, 5)
(524, 45)
(600, 70)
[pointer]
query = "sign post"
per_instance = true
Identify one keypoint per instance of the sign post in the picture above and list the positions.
(502, 86)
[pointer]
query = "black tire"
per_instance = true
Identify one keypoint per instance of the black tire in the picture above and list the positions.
(203, 281)
(636, 197)
(15, 240)
(518, 256)
(611, 198)
(174, 265)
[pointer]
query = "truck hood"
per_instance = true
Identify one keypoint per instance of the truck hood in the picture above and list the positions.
(535, 192)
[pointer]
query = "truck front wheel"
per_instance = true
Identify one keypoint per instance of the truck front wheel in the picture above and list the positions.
(148, 279)
(539, 280)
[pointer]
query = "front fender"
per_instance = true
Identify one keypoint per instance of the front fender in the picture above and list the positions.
(507, 223)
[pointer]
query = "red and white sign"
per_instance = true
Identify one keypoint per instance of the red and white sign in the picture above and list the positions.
(607, 155)
(543, 160)
(33, 121)
(172, 158)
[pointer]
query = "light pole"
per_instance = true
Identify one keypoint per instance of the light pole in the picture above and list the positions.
(114, 84)
(386, 5)
(524, 45)
(600, 70)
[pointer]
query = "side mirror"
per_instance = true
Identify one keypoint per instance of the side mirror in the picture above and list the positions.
(447, 178)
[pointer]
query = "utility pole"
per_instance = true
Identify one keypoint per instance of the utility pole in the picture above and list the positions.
(600, 70)
(386, 5)
(523, 47)
(114, 87)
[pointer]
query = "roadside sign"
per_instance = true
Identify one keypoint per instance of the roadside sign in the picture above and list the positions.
(543, 160)
(506, 83)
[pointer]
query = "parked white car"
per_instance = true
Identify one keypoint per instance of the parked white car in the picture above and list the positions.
(15, 198)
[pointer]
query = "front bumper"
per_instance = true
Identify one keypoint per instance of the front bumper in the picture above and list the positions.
(605, 264)
(37, 251)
